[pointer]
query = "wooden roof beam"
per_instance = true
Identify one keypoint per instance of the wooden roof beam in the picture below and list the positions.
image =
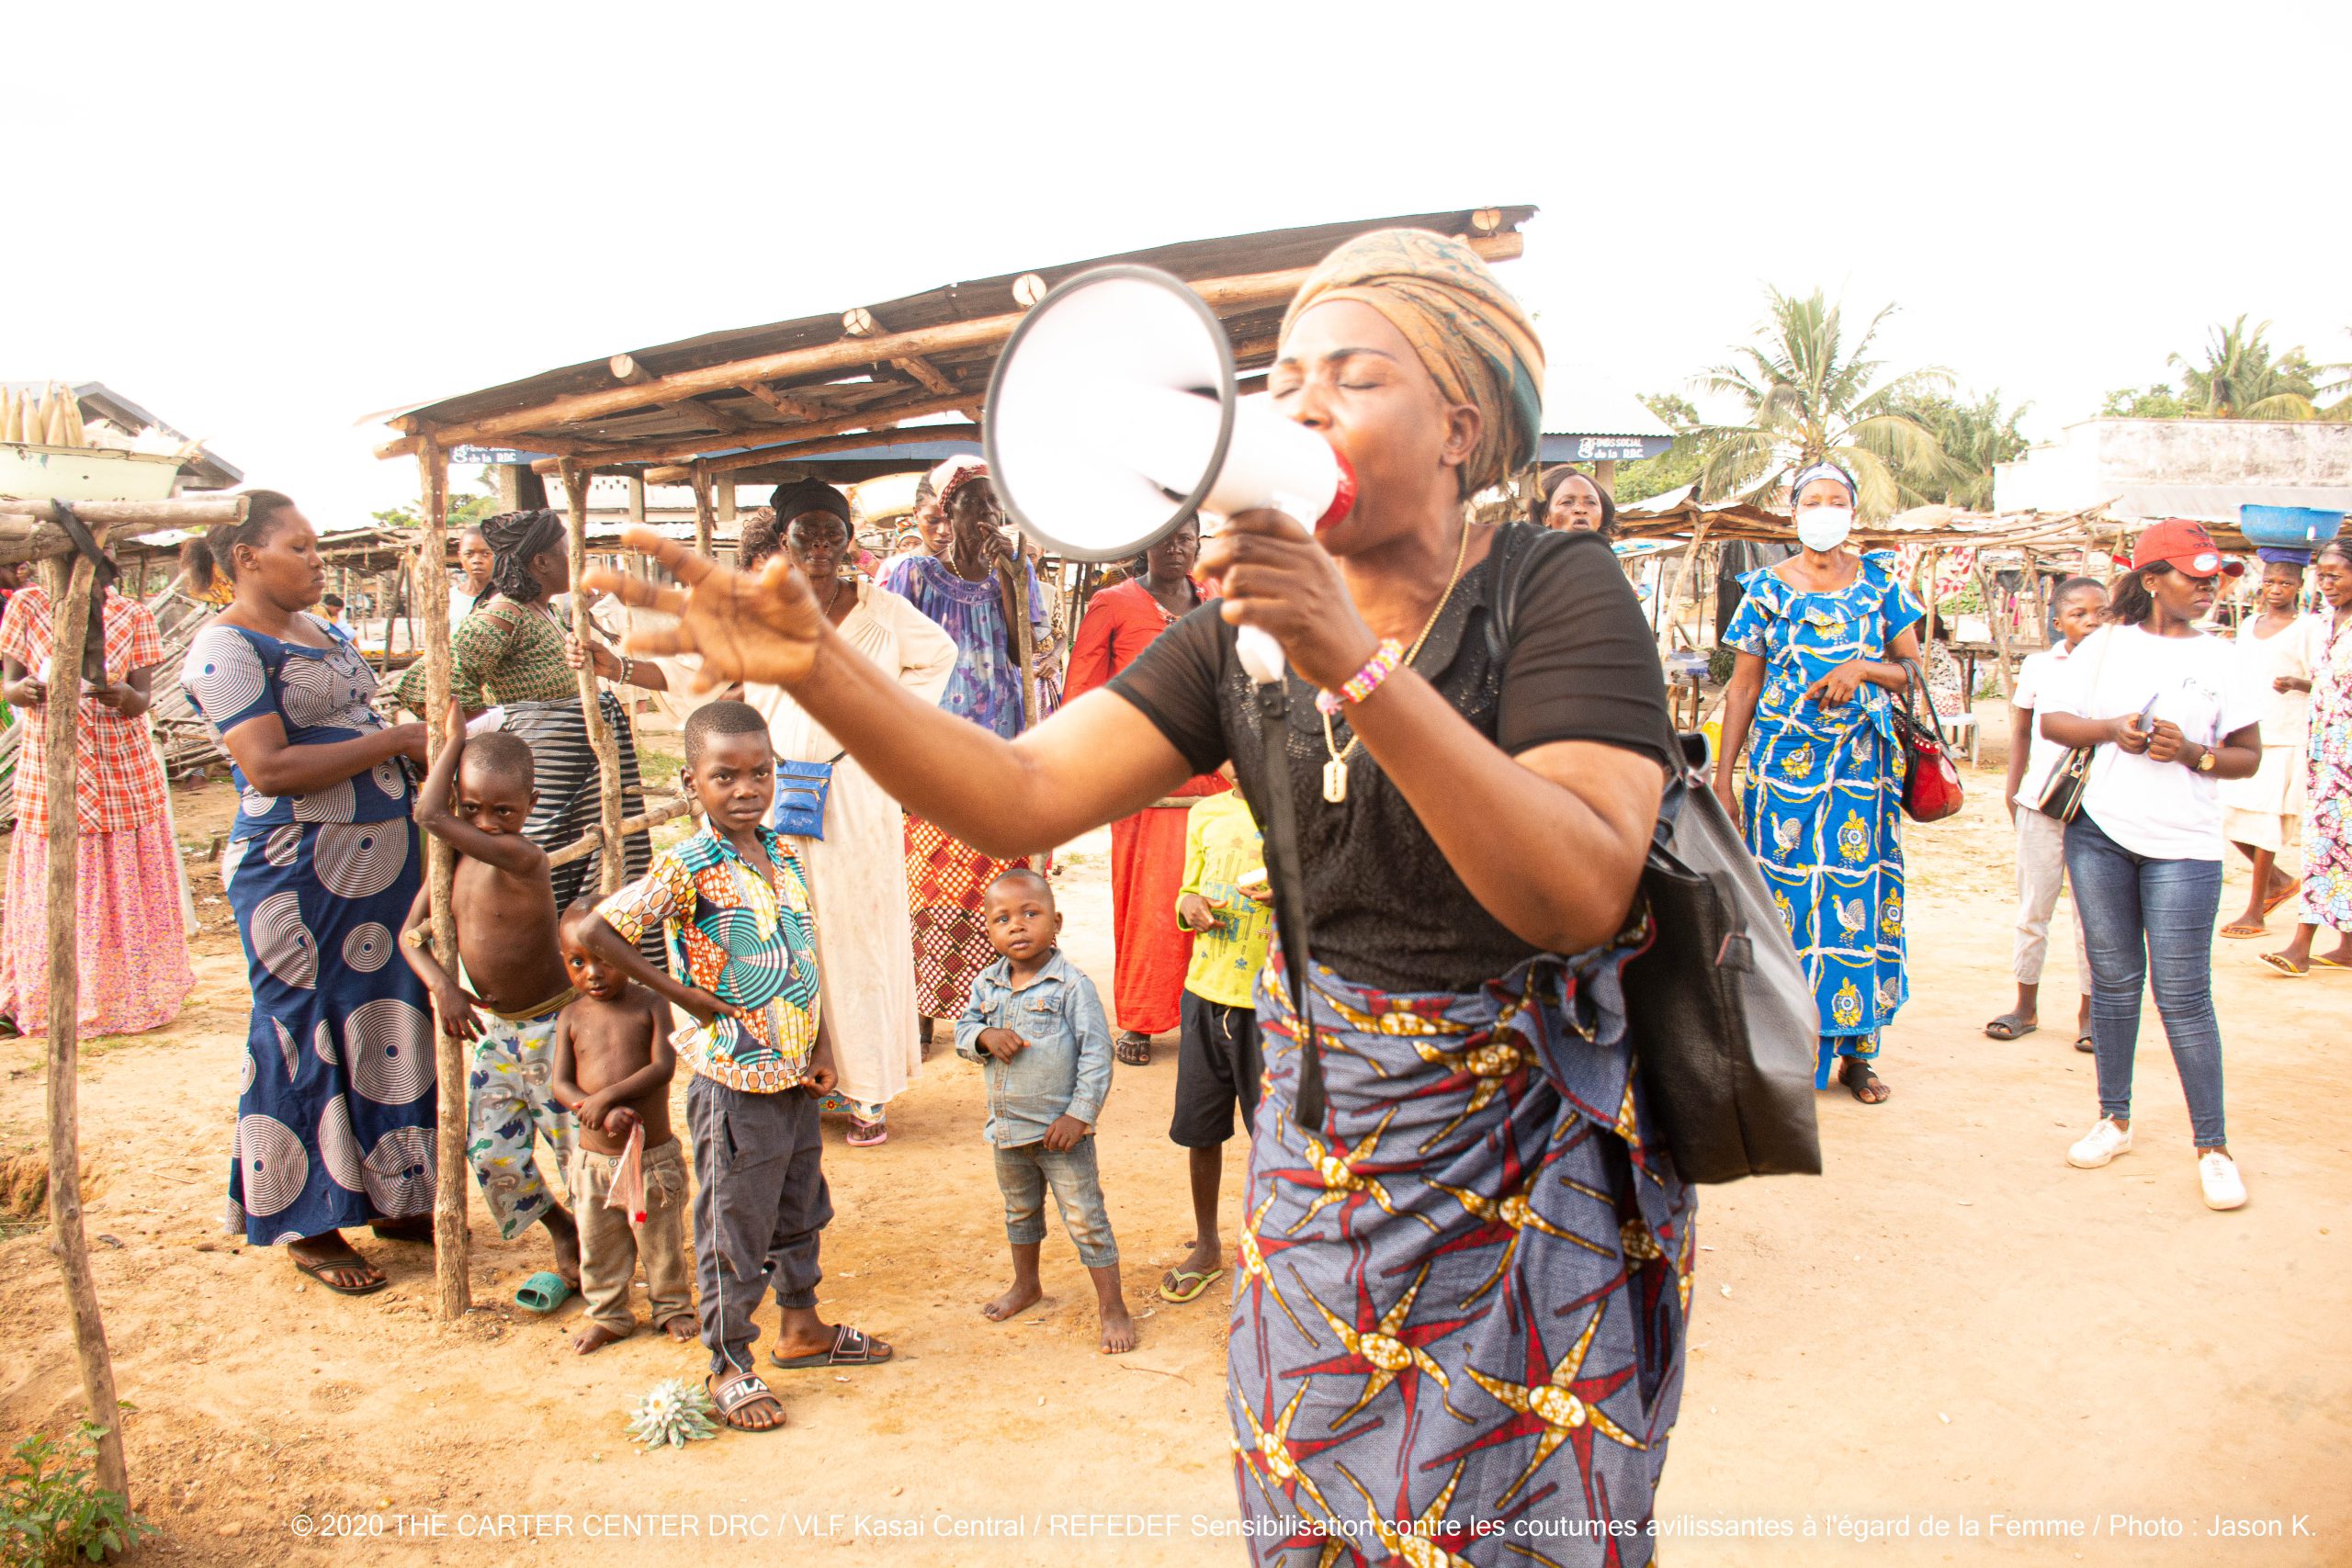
(817, 448)
(787, 404)
(625, 369)
(778, 440)
(579, 408)
(925, 371)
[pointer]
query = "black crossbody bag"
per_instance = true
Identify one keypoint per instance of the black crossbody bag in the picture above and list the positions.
(1725, 1023)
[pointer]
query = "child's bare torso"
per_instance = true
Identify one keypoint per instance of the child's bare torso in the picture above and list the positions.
(610, 1040)
(506, 936)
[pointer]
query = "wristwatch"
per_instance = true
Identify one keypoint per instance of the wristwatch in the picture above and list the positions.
(2205, 759)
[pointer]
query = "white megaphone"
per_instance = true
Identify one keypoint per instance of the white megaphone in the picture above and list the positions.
(1113, 417)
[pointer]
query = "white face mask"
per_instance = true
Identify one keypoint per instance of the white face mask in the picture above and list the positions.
(1824, 527)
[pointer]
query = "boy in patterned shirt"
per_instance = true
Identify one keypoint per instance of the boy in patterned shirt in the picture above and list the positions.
(733, 902)
(1224, 903)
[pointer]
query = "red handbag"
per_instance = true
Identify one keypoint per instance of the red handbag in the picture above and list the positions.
(1931, 788)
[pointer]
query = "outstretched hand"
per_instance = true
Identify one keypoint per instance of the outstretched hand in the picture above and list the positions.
(760, 626)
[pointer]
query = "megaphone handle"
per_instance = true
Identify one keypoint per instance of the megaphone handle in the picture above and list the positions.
(1261, 655)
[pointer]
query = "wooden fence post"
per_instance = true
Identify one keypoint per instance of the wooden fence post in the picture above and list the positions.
(600, 734)
(451, 1246)
(69, 579)
(703, 519)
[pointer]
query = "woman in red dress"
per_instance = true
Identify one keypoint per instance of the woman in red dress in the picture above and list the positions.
(1148, 849)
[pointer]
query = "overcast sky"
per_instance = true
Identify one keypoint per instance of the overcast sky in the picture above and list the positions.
(262, 222)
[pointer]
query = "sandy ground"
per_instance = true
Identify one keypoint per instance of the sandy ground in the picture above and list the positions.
(1949, 1329)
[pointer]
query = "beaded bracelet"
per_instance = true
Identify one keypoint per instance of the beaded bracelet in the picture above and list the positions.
(1365, 681)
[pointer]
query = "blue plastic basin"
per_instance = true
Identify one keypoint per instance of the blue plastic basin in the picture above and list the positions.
(2289, 527)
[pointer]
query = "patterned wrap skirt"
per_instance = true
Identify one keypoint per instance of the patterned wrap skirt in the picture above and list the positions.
(130, 934)
(1459, 1307)
(563, 768)
(947, 884)
(336, 1108)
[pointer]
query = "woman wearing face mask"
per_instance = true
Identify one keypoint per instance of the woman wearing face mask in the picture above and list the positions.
(2171, 718)
(1818, 637)
(1570, 499)
(857, 877)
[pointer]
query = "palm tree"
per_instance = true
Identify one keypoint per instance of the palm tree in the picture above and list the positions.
(2242, 380)
(1808, 397)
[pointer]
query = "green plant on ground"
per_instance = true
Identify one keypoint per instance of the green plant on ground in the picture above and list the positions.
(53, 1512)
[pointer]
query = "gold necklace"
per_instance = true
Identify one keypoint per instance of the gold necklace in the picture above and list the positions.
(1335, 771)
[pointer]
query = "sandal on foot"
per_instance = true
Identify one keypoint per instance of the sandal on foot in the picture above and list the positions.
(2244, 930)
(2085, 1044)
(1183, 1285)
(851, 1348)
(2322, 962)
(739, 1391)
(1868, 1082)
(867, 1134)
(2280, 896)
(2006, 1026)
(320, 1268)
(417, 1228)
(2286, 966)
(1133, 1049)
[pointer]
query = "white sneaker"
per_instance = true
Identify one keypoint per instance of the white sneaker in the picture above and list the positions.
(2217, 1174)
(2099, 1145)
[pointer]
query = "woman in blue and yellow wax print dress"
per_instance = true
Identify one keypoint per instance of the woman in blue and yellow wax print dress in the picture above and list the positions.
(1458, 1291)
(1817, 637)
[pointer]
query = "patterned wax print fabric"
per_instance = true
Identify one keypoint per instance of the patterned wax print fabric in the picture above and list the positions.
(121, 779)
(1825, 793)
(336, 1107)
(947, 883)
(1462, 1299)
(2327, 780)
(743, 939)
(510, 1106)
(985, 687)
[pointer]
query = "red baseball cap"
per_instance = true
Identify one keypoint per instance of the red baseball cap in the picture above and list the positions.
(2184, 547)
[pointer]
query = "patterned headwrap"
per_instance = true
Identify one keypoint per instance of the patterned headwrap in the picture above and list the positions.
(515, 537)
(1464, 327)
(954, 475)
(1807, 475)
(806, 495)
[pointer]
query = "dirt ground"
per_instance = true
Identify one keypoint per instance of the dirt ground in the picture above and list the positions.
(1950, 1349)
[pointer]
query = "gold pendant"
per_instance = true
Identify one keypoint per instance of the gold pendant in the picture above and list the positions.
(1335, 781)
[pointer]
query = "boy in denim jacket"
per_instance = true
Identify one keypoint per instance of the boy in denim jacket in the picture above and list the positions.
(1035, 1021)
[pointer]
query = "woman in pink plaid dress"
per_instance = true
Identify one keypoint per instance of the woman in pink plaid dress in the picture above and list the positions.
(133, 933)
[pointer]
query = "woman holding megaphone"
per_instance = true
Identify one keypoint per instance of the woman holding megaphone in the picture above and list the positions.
(1461, 1289)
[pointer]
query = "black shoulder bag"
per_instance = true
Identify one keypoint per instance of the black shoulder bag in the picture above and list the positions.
(1726, 1027)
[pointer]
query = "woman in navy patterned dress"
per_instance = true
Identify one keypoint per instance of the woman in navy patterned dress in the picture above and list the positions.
(335, 1112)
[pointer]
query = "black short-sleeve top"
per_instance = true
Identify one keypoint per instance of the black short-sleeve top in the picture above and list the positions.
(1384, 907)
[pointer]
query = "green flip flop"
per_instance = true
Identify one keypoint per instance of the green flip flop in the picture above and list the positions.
(544, 1291)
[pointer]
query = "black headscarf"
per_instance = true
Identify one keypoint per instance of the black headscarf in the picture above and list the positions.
(515, 537)
(805, 495)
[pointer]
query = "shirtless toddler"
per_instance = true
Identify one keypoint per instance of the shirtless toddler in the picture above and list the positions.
(613, 1066)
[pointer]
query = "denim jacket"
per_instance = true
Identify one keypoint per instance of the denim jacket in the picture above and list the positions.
(1066, 1069)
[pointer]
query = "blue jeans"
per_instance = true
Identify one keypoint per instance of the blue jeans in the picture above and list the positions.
(1022, 1174)
(2150, 922)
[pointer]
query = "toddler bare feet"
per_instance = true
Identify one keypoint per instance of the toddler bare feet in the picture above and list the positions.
(1018, 1297)
(594, 1337)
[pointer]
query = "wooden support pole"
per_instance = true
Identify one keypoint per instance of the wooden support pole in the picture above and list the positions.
(588, 843)
(704, 521)
(452, 1275)
(726, 493)
(1672, 599)
(69, 584)
(601, 739)
(848, 353)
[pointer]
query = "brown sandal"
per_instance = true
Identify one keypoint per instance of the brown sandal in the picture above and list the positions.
(1849, 1075)
(1133, 1049)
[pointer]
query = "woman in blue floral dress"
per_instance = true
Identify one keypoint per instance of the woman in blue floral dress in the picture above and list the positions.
(1818, 637)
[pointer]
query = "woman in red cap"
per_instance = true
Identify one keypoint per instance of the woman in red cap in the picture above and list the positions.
(2163, 704)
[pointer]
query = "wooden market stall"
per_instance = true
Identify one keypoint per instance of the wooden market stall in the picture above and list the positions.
(772, 403)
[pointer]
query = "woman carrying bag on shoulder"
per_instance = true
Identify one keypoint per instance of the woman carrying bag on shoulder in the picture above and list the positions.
(2169, 719)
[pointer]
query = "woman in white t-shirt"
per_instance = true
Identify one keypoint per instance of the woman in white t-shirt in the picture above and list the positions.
(2079, 606)
(2171, 716)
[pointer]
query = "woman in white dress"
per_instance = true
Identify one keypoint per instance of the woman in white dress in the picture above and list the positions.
(2263, 815)
(857, 876)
